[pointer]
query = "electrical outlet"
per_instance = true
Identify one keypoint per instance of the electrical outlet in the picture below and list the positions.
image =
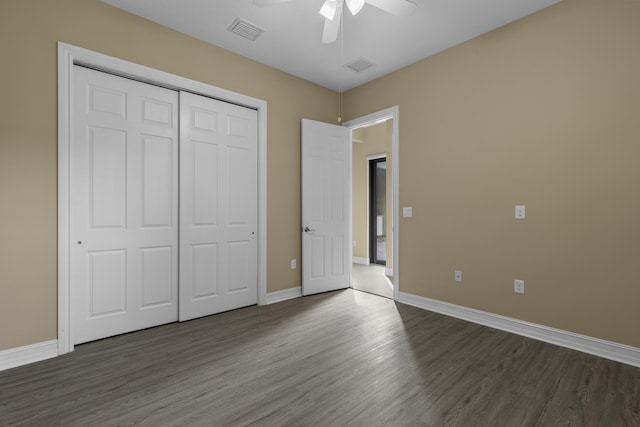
(520, 212)
(518, 286)
(294, 264)
(457, 275)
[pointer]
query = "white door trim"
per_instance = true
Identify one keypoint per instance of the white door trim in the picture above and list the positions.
(377, 156)
(69, 55)
(369, 119)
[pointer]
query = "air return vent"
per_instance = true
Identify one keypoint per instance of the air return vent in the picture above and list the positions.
(359, 65)
(245, 29)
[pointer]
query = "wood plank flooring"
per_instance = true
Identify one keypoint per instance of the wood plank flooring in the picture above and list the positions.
(344, 358)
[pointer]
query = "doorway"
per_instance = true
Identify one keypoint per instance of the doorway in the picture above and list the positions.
(373, 204)
(378, 211)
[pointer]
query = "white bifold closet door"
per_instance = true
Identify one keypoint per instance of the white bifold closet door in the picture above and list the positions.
(124, 210)
(218, 206)
(163, 206)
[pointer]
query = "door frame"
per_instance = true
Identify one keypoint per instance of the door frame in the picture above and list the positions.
(68, 56)
(377, 117)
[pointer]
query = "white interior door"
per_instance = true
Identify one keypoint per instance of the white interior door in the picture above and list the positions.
(326, 194)
(124, 187)
(218, 206)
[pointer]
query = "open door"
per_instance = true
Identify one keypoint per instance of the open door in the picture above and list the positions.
(326, 194)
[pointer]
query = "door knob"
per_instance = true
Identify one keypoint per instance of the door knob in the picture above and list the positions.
(307, 230)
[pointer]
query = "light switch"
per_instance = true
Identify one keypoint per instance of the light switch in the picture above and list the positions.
(518, 286)
(407, 212)
(520, 212)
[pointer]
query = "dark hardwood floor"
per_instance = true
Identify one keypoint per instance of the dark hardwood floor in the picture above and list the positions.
(344, 358)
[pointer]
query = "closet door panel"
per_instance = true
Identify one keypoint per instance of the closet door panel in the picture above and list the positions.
(124, 205)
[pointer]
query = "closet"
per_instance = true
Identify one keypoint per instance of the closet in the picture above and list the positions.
(163, 205)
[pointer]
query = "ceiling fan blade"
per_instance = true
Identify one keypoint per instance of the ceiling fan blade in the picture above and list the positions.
(395, 7)
(329, 9)
(263, 3)
(331, 28)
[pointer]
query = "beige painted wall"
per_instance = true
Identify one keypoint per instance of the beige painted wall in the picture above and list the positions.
(371, 140)
(359, 197)
(543, 112)
(29, 30)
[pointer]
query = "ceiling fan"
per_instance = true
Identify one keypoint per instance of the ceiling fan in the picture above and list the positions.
(332, 12)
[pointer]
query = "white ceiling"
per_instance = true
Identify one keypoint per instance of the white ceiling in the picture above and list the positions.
(291, 41)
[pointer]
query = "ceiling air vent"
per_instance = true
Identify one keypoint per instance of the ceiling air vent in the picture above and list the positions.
(245, 29)
(359, 65)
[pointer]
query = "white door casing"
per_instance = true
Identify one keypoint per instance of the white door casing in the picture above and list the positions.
(326, 198)
(124, 188)
(218, 206)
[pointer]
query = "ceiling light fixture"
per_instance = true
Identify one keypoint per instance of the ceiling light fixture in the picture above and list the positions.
(331, 10)
(355, 6)
(330, 7)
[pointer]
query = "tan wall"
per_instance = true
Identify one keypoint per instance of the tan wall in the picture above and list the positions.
(29, 30)
(543, 112)
(371, 140)
(359, 196)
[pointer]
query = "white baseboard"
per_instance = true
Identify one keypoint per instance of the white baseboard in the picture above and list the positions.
(358, 260)
(19, 356)
(283, 295)
(607, 349)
